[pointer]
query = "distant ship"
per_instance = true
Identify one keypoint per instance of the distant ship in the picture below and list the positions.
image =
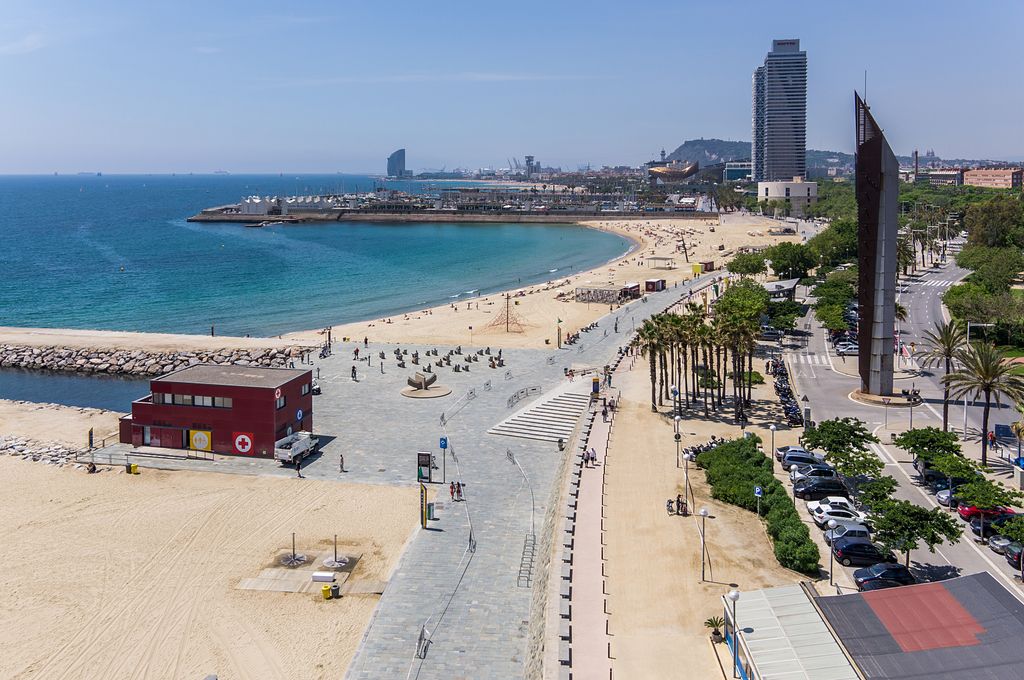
(221, 172)
(97, 174)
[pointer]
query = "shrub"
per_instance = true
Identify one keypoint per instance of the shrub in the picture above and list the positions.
(733, 469)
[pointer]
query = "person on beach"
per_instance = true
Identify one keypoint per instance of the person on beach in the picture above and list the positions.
(353, 373)
(604, 414)
(298, 468)
(341, 462)
(366, 341)
(451, 490)
(458, 490)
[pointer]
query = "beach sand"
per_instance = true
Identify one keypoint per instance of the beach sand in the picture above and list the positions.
(539, 308)
(54, 423)
(150, 342)
(118, 576)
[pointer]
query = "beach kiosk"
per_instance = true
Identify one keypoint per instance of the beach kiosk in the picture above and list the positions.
(631, 290)
(654, 285)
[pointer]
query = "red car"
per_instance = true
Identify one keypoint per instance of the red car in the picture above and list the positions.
(969, 512)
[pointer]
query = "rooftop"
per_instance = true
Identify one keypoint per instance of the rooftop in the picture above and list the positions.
(234, 376)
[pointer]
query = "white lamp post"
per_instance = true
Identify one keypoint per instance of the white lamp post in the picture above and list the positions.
(772, 428)
(734, 595)
(832, 524)
(703, 512)
(678, 437)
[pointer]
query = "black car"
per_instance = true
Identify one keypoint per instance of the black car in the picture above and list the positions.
(884, 571)
(816, 489)
(849, 551)
(926, 472)
(1012, 554)
(992, 524)
(879, 584)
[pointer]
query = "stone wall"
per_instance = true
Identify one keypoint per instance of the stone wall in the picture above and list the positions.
(52, 453)
(138, 362)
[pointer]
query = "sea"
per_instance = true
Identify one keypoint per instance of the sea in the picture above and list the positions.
(115, 252)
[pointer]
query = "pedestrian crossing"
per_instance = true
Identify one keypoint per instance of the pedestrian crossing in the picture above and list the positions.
(935, 283)
(809, 359)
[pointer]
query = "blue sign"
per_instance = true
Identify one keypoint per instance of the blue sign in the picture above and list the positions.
(1004, 432)
(298, 415)
(444, 442)
(758, 492)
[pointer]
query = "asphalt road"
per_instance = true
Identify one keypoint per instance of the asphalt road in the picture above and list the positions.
(816, 372)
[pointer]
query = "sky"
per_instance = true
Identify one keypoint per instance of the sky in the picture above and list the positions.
(333, 86)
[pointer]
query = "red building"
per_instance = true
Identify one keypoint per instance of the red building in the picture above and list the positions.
(239, 410)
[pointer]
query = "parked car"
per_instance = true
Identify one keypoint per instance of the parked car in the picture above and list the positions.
(847, 531)
(884, 570)
(812, 471)
(1012, 554)
(801, 458)
(768, 333)
(847, 348)
(850, 551)
(991, 525)
(879, 584)
(814, 489)
(925, 471)
(998, 543)
(824, 513)
(969, 512)
(947, 498)
(783, 450)
(834, 501)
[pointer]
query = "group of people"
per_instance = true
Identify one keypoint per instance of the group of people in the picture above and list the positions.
(455, 489)
(589, 457)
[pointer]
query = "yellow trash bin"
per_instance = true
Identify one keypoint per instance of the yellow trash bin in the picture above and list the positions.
(135, 468)
(326, 590)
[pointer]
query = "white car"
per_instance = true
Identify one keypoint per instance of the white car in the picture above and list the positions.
(831, 501)
(818, 471)
(844, 348)
(824, 513)
(781, 452)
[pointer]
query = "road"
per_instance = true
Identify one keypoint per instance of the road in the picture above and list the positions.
(827, 381)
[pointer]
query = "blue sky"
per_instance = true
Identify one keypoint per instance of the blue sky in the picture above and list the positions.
(336, 86)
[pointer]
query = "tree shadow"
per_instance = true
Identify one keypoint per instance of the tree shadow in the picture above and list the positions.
(934, 572)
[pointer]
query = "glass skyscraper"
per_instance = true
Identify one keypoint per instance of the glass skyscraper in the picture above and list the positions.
(779, 122)
(396, 164)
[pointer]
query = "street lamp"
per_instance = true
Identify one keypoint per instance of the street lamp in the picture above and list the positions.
(979, 325)
(832, 524)
(533, 505)
(675, 400)
(772, 428)
(734, 595)
(703, 512)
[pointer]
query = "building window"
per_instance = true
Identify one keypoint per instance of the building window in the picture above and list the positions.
(305, 388)
(787, 191)
(183, 399)
(280, 402)
(202, 401)
(222, 402)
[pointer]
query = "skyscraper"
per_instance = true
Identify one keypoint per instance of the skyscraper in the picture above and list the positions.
(396, 164)
(779, 122)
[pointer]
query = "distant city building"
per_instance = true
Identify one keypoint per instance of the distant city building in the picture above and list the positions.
(797, 193)
(737, 171)
(779, 122)
(396, 164)
(994, 178)
(940, 177)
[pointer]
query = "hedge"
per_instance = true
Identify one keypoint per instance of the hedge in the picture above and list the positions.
(732, 470)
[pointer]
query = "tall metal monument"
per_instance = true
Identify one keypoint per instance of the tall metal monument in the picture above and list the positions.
(877, 209)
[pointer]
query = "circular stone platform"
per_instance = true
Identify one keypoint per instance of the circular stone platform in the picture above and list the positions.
(431, 392)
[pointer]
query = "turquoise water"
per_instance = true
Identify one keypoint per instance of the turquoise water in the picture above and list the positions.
(115, 252)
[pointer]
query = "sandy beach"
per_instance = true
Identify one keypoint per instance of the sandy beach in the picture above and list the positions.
(55, 423)
(538, 308)
(135, 575)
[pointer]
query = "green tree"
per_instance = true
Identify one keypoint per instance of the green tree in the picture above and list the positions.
(902, 526)
(876, 492)
(747, 264)
(649, 339)
(997, 222)
(845, 443)
(985, 494)
(790, 260)
(1014, 530)
(941, 347)
(954, 465)
(928, 442)
(985, 372)
(837, 243)
(784, 313)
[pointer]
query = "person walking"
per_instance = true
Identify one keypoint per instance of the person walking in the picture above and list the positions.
(353, 373)
(298, 468)
(366, 341)
(604, 414)
(458, 490)
(341, 462)
(451, 490)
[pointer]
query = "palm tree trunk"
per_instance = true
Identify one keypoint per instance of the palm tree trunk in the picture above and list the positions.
(704, 356)
(686, 374)
(654, 381)
(945, 402)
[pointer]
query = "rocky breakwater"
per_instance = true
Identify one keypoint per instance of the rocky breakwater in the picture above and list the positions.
(52, 453)
(139, 362)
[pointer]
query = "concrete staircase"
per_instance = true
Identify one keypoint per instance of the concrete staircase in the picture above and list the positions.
(546, 420)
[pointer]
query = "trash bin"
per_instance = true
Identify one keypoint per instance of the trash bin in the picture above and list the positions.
(326, 590)
(430, 511)
(335, 591)
(134, 469)
(128, 468)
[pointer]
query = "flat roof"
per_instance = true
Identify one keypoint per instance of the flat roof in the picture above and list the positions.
(968, 627)
(779, 286)
(787, 638)
(234, 375)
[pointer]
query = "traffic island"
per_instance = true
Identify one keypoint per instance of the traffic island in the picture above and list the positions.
(892, 400)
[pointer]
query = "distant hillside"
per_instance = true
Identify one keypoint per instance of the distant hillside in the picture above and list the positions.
(711, 151)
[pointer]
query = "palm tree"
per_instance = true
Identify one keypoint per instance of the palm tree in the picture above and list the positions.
(900, 312)
(942, 346)
(985, 371)
(1018, 426)
(649, 339)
